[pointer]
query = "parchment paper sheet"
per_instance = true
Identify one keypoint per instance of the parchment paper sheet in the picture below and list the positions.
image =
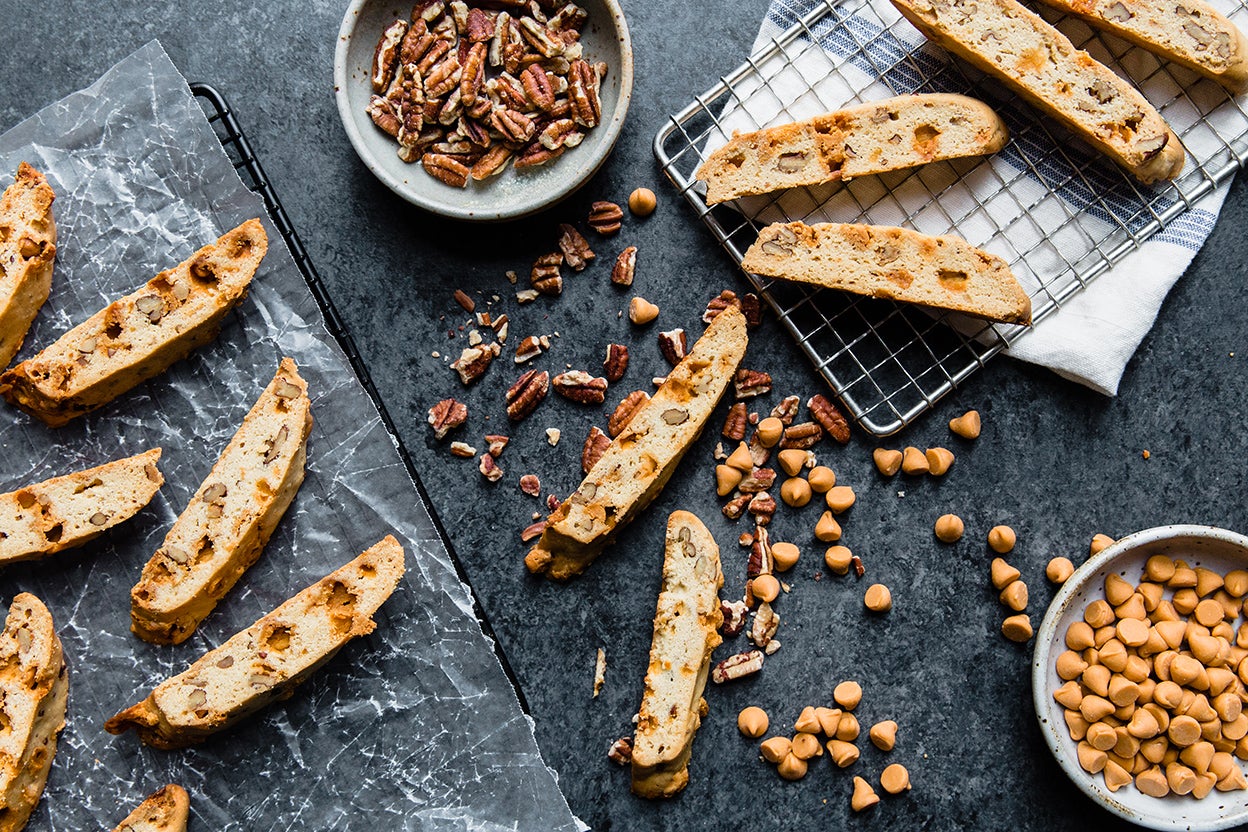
(413, 727)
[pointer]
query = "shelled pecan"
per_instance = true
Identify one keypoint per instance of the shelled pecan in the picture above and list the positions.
(616, 362)
(447, 415)
(526, 394)
(596, 445)
(625, 411)
(579, 386)
(735, 422)
(625, 267)
(829, 417)
(605, 217)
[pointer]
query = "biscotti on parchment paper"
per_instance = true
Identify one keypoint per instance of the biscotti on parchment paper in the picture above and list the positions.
(885, 262)
(67, 511)
(686, 632)
(165, 810)
(227, 523)
(1018, 47)
(140, 335)
(27, 251)
(871, 138)
(266, 661)
(34, 687)
(639, 462)
(1189, 32)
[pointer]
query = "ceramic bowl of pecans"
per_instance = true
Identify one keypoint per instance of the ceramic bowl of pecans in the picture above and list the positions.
(483, 109)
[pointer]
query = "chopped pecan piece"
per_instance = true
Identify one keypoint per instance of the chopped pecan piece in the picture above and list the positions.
(575, 248)
(583, 94)
(445, 169)
(766, 623)
(386, 54)
(447, 415)
(463, 450)
(734, 613)
(718, 304)
(535, 154)
(559, 134)
(474, 361)
(859, 569)
(528, 349)
(762, 507)
(552, 502)
(531, 485)
(734, 508)
(526, 394)
(625, 267)
(674, 345)
(801, 436)
(751, 383)
(539, 38)
(463, 299)
(760, 479)
(605, 217)
(579, 386)
(489, 468)
(758, 454)
(545, 276)
(735, 667)
(625, 411)
(752, 309)
(761, 561)
(495, 444)
(829, 417)
(533, 531)
(621, 751)
(616, 363)
(786, 411)
(596, 445)
(734, 422)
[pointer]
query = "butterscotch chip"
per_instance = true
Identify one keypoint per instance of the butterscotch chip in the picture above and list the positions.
(1099, 614)
(792, 767)
(770, 432)
(1115, 776)
(1079, 636)
(822, 479)
(864, 796)
(792, 460)
(1002, 573)
(1069, 695)
(844, 754)
(878, 598)
(1159, 568)
(775, 749)
(1183, 731)
(1236, 583)
(1070, 665)
(752, 721)
(741, 459)
(1207, 581)
(914, 462)
(1091, 760)
(847, 728)
(847, 695)
(887, 462)
(808, 721)
(1102, 736)
(642, 202)
(884, 735)
(895, 779)
(967, 425)
(949, 528)
(1059, 570)
(1152, 782)
(939, 461)
(840, 498)
(1117, 590)
(806, 746)
(1014, 596)
(1001, 539)
(1017, 627)
(1100, 542)
(1183, 577)
(784, 555)
(726, 479)
(838, 559)
(1209, 612)
(766, 588)
(795, 492)
(827, 530)
(642, 311)
(1132, 632)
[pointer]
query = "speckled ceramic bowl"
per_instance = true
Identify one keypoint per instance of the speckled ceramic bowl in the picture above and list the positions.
(1216, 549)
(510, 194)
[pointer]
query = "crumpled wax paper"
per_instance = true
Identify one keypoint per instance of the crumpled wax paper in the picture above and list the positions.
(413, 727)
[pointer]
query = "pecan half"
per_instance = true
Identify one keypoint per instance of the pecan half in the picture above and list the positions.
(734, 508)
(532, 531)
(383, 113)
(386, 54)
(559, 134)
(616, 362)
(440, 78)
(463, 450)
(472, 74)
(489, 468)
(752, 309)
(545, 277)
(734, 613)
(674, 345)
(718, 304)
(416, 43)
(464, 300)
(580, 387)
(531, 485)
(751, 383)
(786, 411)
(595, 446)
(761, 561)
(625, 267)
(480, 27)
(829, 417)
(801, 436)
(766, 623)
(526, 394)
(474, 361)
(762, 507)
(515, 126)
(535, 154)
(537, 87)
(605, 217)
(583, 94)
(735, 667)
(447, 415)
(575, 248)
(735, 422)
(493, 162)
(625, 411)
(445, 169)
(539, 38)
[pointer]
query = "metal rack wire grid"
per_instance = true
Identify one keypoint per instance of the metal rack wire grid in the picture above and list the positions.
(1056, 211)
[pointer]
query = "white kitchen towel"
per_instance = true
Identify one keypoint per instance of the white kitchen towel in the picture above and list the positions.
(1055, 218)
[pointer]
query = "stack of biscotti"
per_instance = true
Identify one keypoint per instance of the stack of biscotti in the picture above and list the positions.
(64, 512)
(165, 810)
(231, 517)
(1015, 45)
(27, 251)
(140, 335)
(871, 138)
(885, 262)
(639, 462)
(267, 660)
(686, 632)
(34, 686)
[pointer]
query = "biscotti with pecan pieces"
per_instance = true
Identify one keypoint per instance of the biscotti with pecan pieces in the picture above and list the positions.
(27, 251)
(165, 810)
(1189, 32)
(897, 263)
(227, 523)
(686, 632)
(1019, 48)
(140, 335)
(266, 661)
(68, 511)
(638, 463)
(34, 687)
(871, 138)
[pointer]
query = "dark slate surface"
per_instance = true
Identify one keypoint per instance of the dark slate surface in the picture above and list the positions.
(1057, 462)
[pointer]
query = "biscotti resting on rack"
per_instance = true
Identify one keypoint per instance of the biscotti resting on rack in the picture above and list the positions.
(165, 810)
(871, 138)
(27, 251)
(897, 263)
(140, 335)
(266, 661)
(686, 632)
(227, 523)
(1015, 45)
(638, 463)
(1189, 32)
(34, 686)
(64, 512)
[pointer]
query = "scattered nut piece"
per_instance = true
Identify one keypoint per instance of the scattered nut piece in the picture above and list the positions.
(735, 422)
(795, 492)
(895, 779)
(827, 530)
(967, 425)
(888, 462)
(737, 666)
(596, 444)
(463, 450)
(1017, 627)
(625, 268)
(600, 671)
(531, 485)
(642, 311)
(462, 298)
(752, 721)
(447, 415)
(884, 735)
(864, 796)
(621, 751)
(847, 695)
(489, 468)
(552, 436)
(949, 528)
(673, 345)
(580, 387)
(878, 598)
(829, 417)
(939, 461)
(616, 362)
(642, 202)
(801, 436)
(840, 498)
(1001, 539)
(821, 478)
(605, 217)
(914, 462)
(750, 383)
(784, 556)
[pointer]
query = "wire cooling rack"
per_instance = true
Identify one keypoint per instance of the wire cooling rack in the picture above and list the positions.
(1056, 211)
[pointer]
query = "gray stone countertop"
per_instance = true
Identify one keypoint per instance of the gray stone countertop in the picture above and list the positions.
(1056, 461)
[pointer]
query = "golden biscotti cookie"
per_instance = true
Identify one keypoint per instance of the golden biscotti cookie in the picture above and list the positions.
(140, 335)
(27, 251)
(165, 810)
(1189, 32)
(1018, 47)
(871, 138)
(231, 517)
(266, 661)
(639, 462)
(885, 262)
(34, 687)
(64, 512)
(686, 632)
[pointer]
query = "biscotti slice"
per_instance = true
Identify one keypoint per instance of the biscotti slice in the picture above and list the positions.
(231, 517)
(1006, 40)
(686, 632)
(64, 512)
(27, 250)
(871, 138)
(1188, 32)
(141, 335)
(165, 810)
(639, 462)
(885, 262)
(266, 661)
(34, 686)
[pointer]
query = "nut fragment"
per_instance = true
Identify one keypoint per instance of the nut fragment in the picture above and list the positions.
(762, 507)
(735, 423)
(526, 394)
(674, 345)
(447, 415)
(530, 347)
(829, 417)
(489, 468)
(596, 445)
(625, 267)
(734, 613)
(751, 383)
(801, 436)
(544, 276)
(474, 361)
(575, 248)
(580, 387)
(642, 311)
(625, 411)
(605, 217)
(621, 751)
(615, 364)
(642, 202)
(737, 666)
(463, 450)
(531, 485)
